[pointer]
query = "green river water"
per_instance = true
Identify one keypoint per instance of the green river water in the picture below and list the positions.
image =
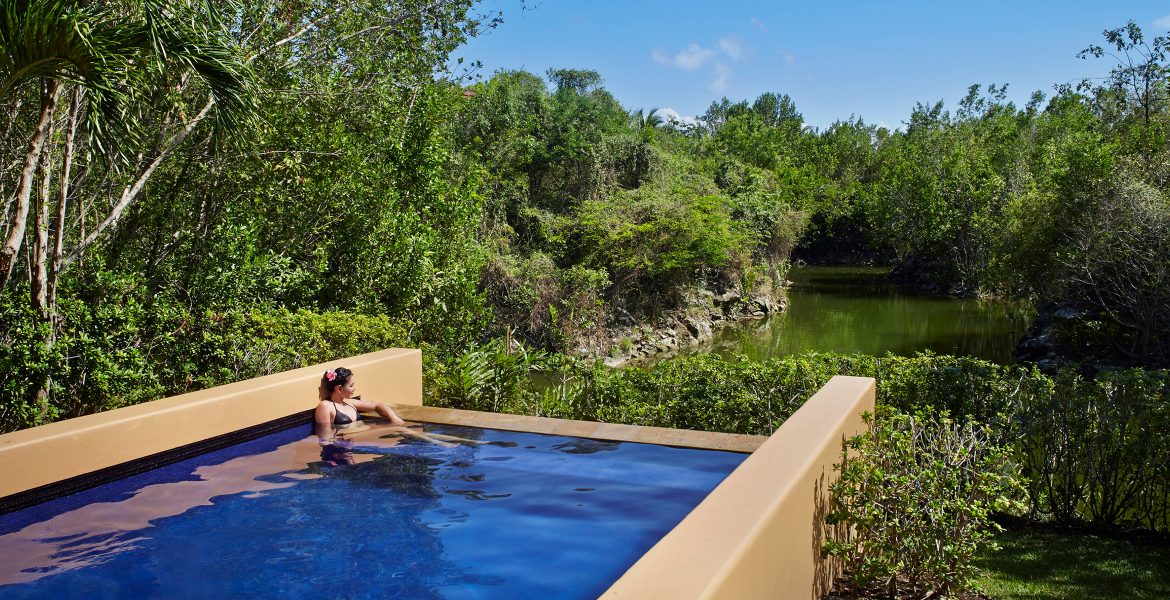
(854, 309)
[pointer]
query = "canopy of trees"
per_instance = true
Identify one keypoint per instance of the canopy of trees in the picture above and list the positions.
(195, 191)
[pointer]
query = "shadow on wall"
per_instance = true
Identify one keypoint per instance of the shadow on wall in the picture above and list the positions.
(826, 569)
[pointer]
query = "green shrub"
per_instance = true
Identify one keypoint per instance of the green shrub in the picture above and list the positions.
(491, 377)
(1099, 450)
(651, 241)
(913, 502)
(95, 359)
(214, 348)
(25, 362)
(112, 349)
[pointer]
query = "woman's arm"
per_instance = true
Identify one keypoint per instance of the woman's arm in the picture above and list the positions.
(379, 408)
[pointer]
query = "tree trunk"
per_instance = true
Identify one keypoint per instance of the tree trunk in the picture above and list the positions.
(62, 201)
(38, 275)
(38, 269)
(32, 159)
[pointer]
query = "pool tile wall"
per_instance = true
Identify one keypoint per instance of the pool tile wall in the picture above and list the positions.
(759, 534)
(51, 453)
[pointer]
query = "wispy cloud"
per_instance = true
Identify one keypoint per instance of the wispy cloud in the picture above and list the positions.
(718, 85)
(788, 57)
(729, 49)
(758, 24)
(672, 115)
(1163, 22)
(733, 47)
(690, 58)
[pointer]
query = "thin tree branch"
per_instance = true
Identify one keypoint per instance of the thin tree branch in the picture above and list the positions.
(131, 192)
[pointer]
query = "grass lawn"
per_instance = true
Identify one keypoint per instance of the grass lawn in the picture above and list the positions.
(1045, 564)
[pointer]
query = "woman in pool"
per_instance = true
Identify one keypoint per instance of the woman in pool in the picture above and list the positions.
(339, 407)
(336, 421)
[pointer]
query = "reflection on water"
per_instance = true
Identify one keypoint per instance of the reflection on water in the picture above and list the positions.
(855, 309)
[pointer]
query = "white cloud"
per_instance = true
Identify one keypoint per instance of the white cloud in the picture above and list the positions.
(1163, 22)
(671, 114)
(733, 47)
(718, 85)
(693, 57)
(787, 56)
(690, 58)
(758, 24)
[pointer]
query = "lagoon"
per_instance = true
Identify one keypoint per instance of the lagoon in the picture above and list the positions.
(857, 310)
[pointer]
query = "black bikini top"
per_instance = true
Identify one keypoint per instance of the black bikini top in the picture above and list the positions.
(340, 418)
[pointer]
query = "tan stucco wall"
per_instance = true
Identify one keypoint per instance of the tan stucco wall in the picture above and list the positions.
(759, 533)
(41, 455)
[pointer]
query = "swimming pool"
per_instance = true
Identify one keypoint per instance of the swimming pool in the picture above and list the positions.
(501, 515)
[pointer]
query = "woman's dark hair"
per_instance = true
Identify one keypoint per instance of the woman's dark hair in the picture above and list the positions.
(332, 379)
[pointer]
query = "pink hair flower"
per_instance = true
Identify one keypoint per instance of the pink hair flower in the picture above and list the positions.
(330, 374)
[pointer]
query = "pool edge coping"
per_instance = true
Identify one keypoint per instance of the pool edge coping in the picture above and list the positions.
(760, 533)
(661, 436)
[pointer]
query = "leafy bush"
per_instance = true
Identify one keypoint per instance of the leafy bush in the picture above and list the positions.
(490, 377)
(215, 348)
(1099, 450)
(653, 242)
(913, 502)
(95, 361)
(549, 307)
(116, 350)
(26, 363)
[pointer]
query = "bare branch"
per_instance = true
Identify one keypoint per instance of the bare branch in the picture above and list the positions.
(131, 192)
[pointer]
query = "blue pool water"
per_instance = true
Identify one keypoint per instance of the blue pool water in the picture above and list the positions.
(516, 516)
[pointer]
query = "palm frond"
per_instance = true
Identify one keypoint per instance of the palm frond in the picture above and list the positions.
(118, 54)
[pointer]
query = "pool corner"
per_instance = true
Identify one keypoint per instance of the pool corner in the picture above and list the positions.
(759, 533)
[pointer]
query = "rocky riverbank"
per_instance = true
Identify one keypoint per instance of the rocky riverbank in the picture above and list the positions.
(1063, 336)
(705, 313)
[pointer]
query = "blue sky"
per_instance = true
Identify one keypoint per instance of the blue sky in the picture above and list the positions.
(835, 59)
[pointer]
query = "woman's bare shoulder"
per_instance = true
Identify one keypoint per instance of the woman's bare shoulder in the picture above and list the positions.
(324, 409)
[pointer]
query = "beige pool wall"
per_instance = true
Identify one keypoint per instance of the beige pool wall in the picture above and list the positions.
(757, 535)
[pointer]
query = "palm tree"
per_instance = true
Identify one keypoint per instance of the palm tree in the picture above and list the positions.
(648, 121)
(106, 53)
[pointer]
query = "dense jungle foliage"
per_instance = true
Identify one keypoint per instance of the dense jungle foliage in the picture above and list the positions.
(197, 192)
